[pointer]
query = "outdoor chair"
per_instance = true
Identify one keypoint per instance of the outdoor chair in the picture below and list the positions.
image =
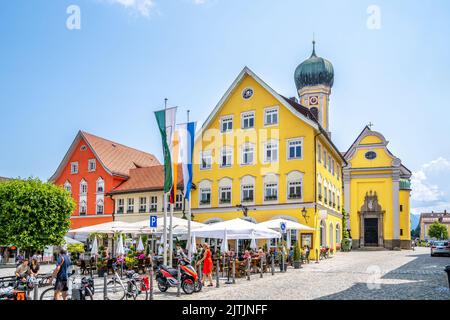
(83, 267)
(305, 257)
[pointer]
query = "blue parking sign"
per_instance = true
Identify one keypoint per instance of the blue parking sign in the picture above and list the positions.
(283, 227)
(153, 221)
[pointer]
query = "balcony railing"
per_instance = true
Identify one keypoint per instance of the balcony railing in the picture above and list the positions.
(130, 210)
(270, 198)
(295, 196)
(120, 210)
(205, 201)
(142, 210)
(153, 209)
(225, 200)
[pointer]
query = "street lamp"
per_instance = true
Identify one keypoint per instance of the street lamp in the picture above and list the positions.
(305, 214)
(244, 209)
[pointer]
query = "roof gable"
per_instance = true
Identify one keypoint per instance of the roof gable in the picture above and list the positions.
(300, 112)
(117, 159)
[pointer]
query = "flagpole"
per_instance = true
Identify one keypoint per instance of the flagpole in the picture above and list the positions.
(165, 201)
(189, 214)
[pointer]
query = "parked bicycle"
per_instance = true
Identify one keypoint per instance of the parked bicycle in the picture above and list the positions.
(135, 286)
(85, 287)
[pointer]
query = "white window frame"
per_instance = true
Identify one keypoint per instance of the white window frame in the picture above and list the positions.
(101, 182)
(266, 144)
(332, 167)
(142, 204)
(248, 187)
(206, 155)
(289, 185)
(153, 203)
(102, 204)
(225, 189)
(90, 162)
(227, 152)
(324, 158)
(272, 111)
(74, 165)
(83, 204)
(204, 190)
(83, 183)
(243, 152)
(120, 204)
(329, 163)
(130, 204)
(178, 202)
(272, 186)
(68, 186)
(226, 119)
(247, 115)
(288, 148)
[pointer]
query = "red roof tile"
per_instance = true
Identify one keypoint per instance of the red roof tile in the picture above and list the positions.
(118, 158)
(147, 179)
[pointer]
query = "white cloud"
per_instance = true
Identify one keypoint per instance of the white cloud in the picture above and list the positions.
(143, 7)
(430, 188)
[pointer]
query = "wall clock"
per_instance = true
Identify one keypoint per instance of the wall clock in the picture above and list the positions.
(314, 100)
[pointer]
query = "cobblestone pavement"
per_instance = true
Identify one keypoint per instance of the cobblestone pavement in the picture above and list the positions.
(389, 275)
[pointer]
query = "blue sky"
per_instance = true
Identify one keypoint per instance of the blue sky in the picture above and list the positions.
(108, 77)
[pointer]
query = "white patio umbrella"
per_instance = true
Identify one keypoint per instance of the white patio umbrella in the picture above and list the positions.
(94, 249)
(290, 225)
(68, 240)
(179, 226)
(224, 245)
(108, 227)
(236, 229)
(253, 243)
(120, 251)
(140, 246)
(193, 245)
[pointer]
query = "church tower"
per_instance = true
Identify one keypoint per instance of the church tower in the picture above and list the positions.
(314, 78)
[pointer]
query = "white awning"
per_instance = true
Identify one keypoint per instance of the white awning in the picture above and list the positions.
(290, 225)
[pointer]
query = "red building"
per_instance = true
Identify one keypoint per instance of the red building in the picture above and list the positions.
(91, 168)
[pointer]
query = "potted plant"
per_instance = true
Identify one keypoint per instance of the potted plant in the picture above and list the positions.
(297, 257)
(101, 262)
(75, 249)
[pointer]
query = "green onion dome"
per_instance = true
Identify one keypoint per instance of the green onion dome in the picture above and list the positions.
(314, 71)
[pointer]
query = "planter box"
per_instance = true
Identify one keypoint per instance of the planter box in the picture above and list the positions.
(297, 264)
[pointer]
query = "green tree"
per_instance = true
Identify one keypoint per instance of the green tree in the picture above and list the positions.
(345, 234)
(438, 230)
(34, 214)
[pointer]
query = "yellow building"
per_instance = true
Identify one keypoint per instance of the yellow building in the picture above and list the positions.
(261, 156)
(377, 194)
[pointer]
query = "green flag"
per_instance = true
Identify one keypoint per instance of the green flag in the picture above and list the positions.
(166, 124)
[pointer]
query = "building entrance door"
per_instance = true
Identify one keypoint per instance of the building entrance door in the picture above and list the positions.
(371, 231)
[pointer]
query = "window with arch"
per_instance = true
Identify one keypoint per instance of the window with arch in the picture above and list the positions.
(83, 187)
(247, 189)
(100, 207)
(331, 234)
(295, 185)
(270, 187)
(83, 208)
(338, 233)
(205, 192)
(225, 191)
(68, 186)
(323, 240)
(100, 185)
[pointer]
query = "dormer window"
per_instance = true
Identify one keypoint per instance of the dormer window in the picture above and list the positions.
(91, 165)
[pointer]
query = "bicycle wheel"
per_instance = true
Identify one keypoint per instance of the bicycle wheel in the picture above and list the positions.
(48, 294)
(140, 290)
(115, 290)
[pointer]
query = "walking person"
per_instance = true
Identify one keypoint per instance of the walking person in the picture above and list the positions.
(61, 273)
(207, 265)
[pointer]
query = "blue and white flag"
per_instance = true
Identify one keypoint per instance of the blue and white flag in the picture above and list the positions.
(186, 134)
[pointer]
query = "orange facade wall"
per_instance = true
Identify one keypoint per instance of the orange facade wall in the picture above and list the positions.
(82, 157)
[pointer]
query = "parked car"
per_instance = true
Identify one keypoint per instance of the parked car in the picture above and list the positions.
(440, 247)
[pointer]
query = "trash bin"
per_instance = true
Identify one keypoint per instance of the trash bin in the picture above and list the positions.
(447, 269)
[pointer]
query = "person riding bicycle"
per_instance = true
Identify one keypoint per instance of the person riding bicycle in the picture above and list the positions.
(61, 274)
